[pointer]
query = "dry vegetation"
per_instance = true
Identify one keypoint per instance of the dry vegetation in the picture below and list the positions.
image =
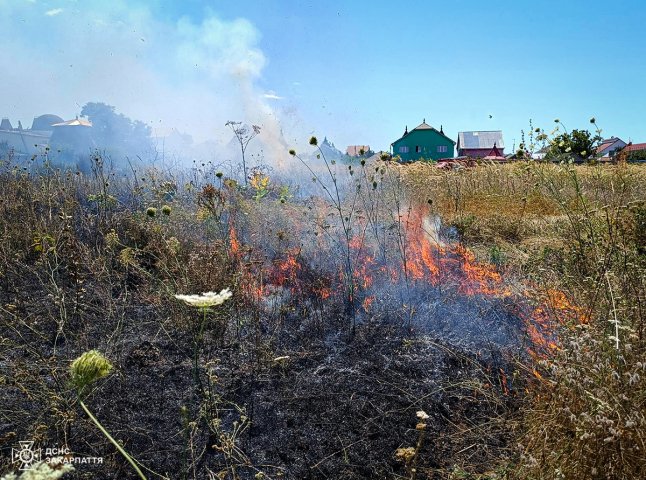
(274, 383)
(581, 230)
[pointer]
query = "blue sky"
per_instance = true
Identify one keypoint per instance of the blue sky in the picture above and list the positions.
(357, 72)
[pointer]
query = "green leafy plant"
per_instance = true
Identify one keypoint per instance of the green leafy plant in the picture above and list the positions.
(578, 145)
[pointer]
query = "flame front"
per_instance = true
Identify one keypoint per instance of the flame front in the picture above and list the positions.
(421, 261)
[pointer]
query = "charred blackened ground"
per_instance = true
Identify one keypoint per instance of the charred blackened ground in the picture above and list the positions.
(330, 408)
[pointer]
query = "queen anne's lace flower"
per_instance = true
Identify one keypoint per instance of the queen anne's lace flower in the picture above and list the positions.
(207, 299)
(51, 470)
(88, 368)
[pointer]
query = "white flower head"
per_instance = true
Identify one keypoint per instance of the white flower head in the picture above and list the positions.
(207, 299)
(53, 469)
(422, 415)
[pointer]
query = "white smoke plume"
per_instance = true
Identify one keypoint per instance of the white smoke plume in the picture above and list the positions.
(187, 75)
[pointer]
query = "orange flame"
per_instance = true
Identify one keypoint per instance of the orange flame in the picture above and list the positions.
(554, 310)
(426, 262)
(234, 244)
(480, 278)
(367, 302)
(286, 272)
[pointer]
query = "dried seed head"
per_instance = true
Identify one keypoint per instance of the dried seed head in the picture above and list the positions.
(111, 239)
(405, 454)
(88, 368)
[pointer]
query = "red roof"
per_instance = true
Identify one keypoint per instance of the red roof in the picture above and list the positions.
(634, 147)
(494, 152)
(606, 144)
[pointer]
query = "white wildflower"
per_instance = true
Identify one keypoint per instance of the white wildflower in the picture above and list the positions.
(207, 299)
(51, 470)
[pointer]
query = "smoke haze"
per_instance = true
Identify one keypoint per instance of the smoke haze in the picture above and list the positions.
(173, 75)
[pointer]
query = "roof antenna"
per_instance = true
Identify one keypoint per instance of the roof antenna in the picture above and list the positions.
(441, 130)
(424, 120)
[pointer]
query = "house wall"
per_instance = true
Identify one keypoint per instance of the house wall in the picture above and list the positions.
(24, 142)
(428, 141)
(613, 148)
(477, 152)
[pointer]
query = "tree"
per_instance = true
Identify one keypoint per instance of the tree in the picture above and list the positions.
(115, 132)
(244, 135)
(636, 156)
(579, 144)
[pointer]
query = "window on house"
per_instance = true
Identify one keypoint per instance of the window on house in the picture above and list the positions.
(442, 149)
(403, 149)
(418, 149)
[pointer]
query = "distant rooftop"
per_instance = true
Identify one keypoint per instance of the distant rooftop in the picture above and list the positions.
(45, 122)
(634, 147)
(424, 126)
(77, 122)
(480, 139)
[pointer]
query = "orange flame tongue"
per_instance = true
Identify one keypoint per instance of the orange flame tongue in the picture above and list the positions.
(234, 244)
(480, 279)
(286, 272)
(554, 311)
(420, 261)
(424, 262)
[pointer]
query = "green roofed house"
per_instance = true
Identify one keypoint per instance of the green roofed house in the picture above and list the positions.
(423, 142)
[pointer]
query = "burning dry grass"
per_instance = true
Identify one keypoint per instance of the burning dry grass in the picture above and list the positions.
(465, 294)
(579, 230)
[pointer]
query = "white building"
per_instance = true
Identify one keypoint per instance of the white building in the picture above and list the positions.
(608, 147)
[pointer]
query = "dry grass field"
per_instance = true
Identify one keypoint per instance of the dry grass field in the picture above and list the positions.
(480, 323)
